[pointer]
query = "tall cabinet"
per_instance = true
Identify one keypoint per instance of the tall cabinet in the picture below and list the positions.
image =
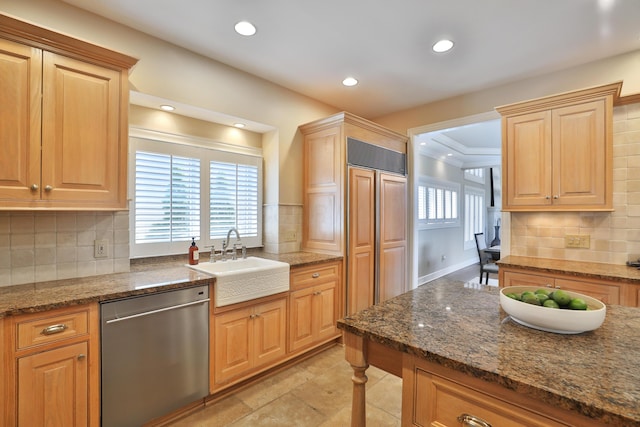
(63, 121)
(355, 204)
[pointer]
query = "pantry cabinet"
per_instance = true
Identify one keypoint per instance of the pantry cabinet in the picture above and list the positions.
(247, 336)
(314, 302)
(52, 368)
(557, 152)
(355, 204)
(63, 115)
(606, 291)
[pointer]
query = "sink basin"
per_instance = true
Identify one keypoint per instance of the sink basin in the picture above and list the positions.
(246, 279)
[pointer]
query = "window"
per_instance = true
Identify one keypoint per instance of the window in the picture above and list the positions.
(474, 209)
(182, 191)
(476, 175)
(437, 203)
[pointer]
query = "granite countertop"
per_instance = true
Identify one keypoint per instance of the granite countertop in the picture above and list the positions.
(615, 272)
(463, 327)
(146, 276)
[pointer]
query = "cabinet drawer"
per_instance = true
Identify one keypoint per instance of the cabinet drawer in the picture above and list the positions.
(47, 328)
(309, 276)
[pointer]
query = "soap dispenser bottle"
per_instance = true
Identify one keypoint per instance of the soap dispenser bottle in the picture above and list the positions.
(194, 254)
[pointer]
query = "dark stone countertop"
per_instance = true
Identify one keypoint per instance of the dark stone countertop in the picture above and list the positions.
(146, 276)
(594, 270)
(462, 327)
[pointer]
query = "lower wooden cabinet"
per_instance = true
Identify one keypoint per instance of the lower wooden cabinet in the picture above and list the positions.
(438, 396)
(607, 292)
(246, 337)
(53, 387)
(314, 305)
(52, 368)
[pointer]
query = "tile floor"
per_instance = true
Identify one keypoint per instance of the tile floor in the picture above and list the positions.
(315, 392)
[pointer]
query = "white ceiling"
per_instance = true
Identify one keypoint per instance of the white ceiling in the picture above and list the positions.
(311, 46)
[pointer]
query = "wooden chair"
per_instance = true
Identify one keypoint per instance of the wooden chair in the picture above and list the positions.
(486, 264)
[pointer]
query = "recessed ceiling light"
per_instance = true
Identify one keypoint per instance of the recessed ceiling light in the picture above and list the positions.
(449, 154)
(167, 107)
(350, 81)
(442, 46)
(245, 28)
(239, 125)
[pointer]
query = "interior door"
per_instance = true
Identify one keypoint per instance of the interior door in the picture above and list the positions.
(362, 245)
(392, 274)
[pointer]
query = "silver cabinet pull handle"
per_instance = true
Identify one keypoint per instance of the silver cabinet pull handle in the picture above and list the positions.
(34, 187)
(472, 421)
(54, 329)
(81, 356)
(48, 188)
(315, 275)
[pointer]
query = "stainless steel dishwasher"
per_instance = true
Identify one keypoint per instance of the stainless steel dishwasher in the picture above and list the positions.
(155, 355)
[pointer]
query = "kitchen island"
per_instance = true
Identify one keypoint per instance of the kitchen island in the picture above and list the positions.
(453, 345)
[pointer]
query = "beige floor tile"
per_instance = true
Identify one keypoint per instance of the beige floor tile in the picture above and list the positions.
(219, 414)
(326, 400)
(273, 387)
(286, 411)
(386, 394)
(375, 418)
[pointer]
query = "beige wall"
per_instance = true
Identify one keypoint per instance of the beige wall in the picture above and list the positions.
(624, 68)
(615, 236)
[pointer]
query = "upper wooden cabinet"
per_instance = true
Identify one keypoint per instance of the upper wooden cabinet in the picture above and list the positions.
(63, 121)
(557, 152)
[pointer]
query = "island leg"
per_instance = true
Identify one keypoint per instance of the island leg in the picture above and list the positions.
(355, 353)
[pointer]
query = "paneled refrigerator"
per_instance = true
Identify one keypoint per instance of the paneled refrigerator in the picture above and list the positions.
(376, 225)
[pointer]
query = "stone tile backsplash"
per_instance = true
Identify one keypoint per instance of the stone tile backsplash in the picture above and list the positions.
(41, 246)
(615, 236)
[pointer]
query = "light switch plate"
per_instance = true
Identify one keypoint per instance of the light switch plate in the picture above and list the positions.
(101, 248)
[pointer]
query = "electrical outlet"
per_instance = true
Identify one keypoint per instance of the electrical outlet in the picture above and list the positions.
(577, 241)
(101, 248)
(290, 236)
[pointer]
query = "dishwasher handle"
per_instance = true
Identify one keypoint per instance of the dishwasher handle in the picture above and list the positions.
(160, 310)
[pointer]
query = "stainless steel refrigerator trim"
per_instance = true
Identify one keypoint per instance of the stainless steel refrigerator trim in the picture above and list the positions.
(154, 354)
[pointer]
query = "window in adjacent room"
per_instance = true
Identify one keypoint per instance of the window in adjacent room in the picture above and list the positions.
(182, 191)
(438, 204)
(474, 213)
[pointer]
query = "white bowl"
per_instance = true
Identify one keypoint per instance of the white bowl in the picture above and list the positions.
(559, 321)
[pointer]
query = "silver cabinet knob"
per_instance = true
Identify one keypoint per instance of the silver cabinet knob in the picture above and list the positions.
(48, 188)
(81, 356)
(34, 187)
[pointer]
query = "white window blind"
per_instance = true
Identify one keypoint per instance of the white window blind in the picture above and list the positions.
(182, 188)
(474, 199)
(233, 199)
(438, 204)
(167, 198)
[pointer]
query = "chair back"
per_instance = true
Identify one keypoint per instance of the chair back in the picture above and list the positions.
(480, 245)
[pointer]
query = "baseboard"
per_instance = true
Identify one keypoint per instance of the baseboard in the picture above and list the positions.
(450, 269)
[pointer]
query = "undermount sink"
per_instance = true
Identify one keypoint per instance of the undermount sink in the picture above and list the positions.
(246, 279)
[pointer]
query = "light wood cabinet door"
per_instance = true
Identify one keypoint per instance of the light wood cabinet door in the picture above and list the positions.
(20, 118)
(313, 315)
(246, 338)
(232, 347)
(580, 155)
(323, 222)
(53, 387)
(362, 243)
(393, 236)
(527, 159)
(81, 147)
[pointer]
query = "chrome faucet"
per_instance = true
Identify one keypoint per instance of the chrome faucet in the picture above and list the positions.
(226, 243)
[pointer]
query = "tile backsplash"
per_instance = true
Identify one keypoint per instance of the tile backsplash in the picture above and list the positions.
(40, 246)
(615, 236)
